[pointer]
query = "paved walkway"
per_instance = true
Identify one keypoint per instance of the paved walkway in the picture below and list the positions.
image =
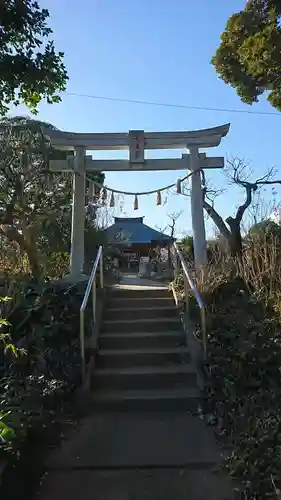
(157, 484)
(137, 457)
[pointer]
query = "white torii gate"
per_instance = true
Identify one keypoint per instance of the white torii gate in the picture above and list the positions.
(136, 142)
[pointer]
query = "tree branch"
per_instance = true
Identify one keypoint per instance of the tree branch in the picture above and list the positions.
(239, 176)
(217, 219)
(10, 207)
(12, 234)
(173, 218)
(242, 208)
(267, 182)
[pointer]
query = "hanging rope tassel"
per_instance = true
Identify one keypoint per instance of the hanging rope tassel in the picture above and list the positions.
(49, 182)
(158, 198)
(112, 201)
(136, 203)
(103, 195)
(96, 192)
(91, 192)
(178, 186)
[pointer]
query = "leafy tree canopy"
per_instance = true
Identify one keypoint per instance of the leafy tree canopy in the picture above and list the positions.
(249, 55)
(35, 204)
(30, 68)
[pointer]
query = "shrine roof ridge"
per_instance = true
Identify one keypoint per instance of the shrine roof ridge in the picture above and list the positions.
(128, 219)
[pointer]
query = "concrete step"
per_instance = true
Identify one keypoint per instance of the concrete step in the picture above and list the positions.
(141, 325)
(140, 340)
(177, 399)
(143, 377)
(140, 313)
(139, 292)
(137, 484)
(132, 440)
(118, 302)
(118, 358)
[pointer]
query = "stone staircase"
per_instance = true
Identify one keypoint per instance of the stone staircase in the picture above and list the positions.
(142, 438)
(143, 362)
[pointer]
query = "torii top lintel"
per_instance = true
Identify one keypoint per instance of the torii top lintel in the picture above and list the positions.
(204, 138)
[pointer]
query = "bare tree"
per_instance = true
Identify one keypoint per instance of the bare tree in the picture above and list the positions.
(238, 174)
(261, 209)
(105, 214)
(173, 217)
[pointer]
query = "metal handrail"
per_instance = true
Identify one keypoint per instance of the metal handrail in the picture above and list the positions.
(188, 279)
(91, 286)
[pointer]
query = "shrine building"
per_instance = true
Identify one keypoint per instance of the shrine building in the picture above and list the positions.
(135, 241)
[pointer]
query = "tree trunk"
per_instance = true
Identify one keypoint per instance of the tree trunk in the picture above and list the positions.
(217, 219)
(33, 261)
(13, 235)
(235, 240)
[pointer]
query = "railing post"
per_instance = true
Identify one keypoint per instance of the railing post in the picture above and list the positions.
(204, 332)
(191, 282)
(94, 292)
(82, 346)
(101, 270)
(186, 295)
(92, 285)
(177, 267)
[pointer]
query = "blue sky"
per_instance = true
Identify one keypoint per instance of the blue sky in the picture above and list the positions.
(155, 50)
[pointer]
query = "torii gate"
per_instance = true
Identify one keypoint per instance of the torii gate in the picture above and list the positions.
(136, 142)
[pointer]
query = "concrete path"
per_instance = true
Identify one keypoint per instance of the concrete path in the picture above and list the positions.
(157, 484)
(137, 457)
(139, 440)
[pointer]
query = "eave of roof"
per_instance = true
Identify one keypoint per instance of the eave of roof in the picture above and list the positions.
(136, 232)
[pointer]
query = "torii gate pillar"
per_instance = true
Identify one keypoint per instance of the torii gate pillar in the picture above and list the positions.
(78, 218)
(197, 212)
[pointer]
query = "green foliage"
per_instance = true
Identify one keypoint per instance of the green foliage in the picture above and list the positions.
(57, 265)
(244, 359)
(7, 433)
(31, 197)
(178, 285)
(248, 57)
(31, 69)
(34, 388)
(186, 246)
(266, 228)
(35, 204)
(93, 239)
(12, 261)
(6, 344)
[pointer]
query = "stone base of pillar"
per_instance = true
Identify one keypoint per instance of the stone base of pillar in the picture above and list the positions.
(73, 279)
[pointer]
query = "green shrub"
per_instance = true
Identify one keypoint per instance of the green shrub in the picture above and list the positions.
(57, 265)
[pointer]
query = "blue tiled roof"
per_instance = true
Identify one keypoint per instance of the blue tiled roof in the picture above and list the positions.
(133, 230)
